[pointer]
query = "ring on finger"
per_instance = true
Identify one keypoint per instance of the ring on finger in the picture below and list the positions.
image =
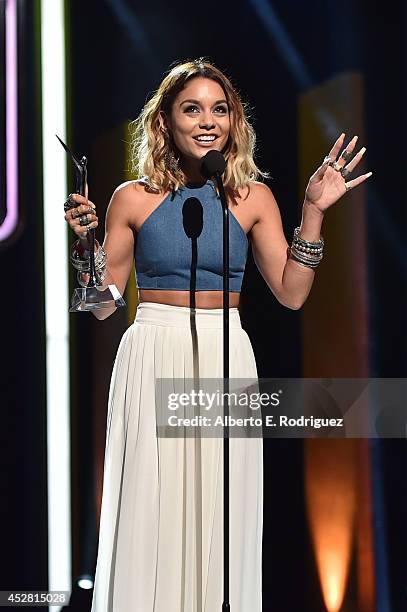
(348, 186)
(335, 166)
(83, 220)
(69, 204)
(346, 155)
(345, 171)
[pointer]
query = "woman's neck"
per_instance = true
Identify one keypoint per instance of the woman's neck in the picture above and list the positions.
(192, 172)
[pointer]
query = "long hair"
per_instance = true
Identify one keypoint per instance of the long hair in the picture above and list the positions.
(152, 151)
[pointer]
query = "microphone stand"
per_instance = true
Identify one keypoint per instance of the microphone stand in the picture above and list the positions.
(225, 210)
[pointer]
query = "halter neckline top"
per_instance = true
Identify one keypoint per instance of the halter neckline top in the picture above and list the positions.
(179, 246)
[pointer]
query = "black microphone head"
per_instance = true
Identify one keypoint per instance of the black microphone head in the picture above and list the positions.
(192, 217)
(212, 163)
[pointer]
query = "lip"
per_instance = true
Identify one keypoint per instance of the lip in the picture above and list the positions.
(205, 143)
(214, 136)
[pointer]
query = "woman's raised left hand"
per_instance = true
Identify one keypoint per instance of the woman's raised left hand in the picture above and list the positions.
(330, 181)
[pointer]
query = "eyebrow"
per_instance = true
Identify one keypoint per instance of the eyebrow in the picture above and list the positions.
(197, 102)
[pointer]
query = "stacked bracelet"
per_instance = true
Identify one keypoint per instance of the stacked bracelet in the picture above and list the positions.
(80, 257)
(80, 261)
(306, 253)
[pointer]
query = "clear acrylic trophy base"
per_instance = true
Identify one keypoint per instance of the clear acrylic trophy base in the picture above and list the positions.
(96, 298)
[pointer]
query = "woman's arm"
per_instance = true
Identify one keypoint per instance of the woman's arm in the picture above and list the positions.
(119, 241)
(289, 280)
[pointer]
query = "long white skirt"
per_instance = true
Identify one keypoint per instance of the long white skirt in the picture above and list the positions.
(161, 525)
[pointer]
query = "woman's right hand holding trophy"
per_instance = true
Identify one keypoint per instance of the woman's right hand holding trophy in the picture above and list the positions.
(80, 213)
(88, 257)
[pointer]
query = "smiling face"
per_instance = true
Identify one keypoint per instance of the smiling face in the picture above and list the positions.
(199, 121)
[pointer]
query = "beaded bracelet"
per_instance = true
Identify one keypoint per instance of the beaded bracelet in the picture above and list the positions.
(307, 253)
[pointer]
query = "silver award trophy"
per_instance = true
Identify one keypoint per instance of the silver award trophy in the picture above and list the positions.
(100, 291)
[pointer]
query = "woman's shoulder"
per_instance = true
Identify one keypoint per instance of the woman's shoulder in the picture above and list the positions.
(131, 193)
(130, 200)
(254, 190)
(253, 193)
(255, 198)
(135, 189)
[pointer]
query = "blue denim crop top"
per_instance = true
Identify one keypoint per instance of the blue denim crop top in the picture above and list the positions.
(181, 241)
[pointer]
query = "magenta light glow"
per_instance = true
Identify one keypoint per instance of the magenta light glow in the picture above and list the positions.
(10, 221)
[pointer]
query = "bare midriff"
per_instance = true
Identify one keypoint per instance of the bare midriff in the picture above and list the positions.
(203, 299)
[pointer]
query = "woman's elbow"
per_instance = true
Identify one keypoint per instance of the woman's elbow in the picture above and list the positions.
(292, 303)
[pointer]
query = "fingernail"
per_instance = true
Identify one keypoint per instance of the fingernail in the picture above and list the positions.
(362, 150)
(369, 174)
(355, 137)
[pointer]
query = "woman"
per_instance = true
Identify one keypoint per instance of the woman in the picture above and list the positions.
(160, 543)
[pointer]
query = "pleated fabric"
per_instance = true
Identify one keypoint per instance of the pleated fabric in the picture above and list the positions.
(161, 526)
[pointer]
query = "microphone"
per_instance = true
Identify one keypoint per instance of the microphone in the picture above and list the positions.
(192, 218)
(212, 163)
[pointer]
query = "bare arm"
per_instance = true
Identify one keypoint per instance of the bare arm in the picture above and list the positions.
(118, 242)
(289, 281)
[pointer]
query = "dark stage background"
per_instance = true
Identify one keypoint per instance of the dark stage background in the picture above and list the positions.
(275, 52)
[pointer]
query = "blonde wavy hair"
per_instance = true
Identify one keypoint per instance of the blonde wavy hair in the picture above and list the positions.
(153, 152)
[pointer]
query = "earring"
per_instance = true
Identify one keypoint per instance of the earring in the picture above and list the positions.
(170, 160)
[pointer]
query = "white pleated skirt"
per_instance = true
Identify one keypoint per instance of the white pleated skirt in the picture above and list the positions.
(161, 526)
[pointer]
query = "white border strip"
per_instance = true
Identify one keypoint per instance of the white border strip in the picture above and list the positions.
(56, 295)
